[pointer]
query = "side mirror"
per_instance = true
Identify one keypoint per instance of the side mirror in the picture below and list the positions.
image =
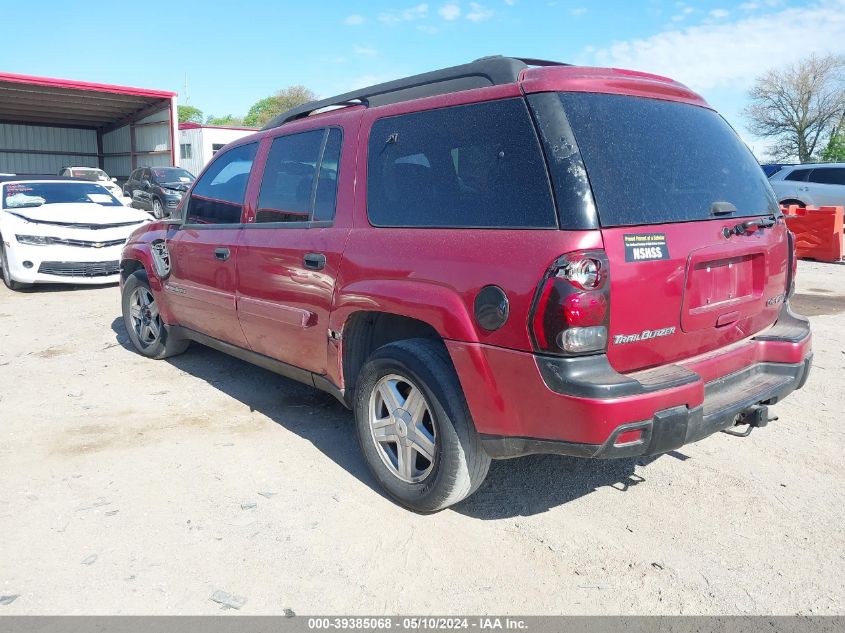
(145, 184)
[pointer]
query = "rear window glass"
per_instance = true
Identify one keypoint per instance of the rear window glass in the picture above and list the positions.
(828, 176)
(651, 161)
(471, 166)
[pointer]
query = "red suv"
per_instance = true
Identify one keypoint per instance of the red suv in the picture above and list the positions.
(496, 259)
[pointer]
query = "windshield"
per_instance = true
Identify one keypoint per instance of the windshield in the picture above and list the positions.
(172, 174)
(651, 161)
(18, 195)
(89, 174)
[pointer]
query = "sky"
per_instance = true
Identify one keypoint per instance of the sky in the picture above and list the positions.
(236, 53)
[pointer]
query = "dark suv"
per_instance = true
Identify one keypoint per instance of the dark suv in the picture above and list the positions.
(487, 261)
(157, 189)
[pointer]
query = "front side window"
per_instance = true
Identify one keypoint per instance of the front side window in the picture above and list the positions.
(828, 176)
(218, 196)
(478, 165)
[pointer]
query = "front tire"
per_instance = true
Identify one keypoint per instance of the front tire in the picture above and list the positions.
(149, 334)
(10, 283)
(158, 209)
(415, 429)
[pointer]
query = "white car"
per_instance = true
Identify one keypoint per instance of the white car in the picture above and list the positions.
(100, 177)
(62, 231)
(810, 185)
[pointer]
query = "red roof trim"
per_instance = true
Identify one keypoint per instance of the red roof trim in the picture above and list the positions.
(195, 126)
(84, 85)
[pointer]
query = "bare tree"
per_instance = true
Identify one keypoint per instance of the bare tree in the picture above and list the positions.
(799, 107)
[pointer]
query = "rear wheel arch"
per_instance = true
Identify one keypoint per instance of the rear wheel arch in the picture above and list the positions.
(366, 331)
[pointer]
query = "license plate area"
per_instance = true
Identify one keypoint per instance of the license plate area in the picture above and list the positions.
(721, 290)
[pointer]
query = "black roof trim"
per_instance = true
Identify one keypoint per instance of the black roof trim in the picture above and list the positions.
(483, 72)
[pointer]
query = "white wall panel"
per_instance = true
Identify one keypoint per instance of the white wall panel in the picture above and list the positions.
(117, 141)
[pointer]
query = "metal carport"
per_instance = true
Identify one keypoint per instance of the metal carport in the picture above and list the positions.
(46, 124)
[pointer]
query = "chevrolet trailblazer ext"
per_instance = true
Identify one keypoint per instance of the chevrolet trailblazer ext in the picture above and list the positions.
(486, 261)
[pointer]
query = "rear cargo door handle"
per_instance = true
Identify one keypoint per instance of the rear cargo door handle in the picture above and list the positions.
(221, 253)
(315, 261)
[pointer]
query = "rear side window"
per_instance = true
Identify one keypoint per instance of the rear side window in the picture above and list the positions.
(651, 161)
(828, 175)
(798, 175)
(325, 196)
(288, 181)
(472, 166)
(218, 196)
(300, 176)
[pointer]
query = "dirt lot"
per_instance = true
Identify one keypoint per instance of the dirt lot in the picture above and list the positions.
(136, 486)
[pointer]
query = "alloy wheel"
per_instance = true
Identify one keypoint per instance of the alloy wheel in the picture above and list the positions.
(402, 428)
(158, 210)
(143, 312)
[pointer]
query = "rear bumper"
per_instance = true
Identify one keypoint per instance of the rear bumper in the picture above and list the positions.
(524, 404)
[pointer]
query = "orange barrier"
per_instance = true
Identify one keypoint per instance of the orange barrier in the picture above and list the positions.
(818, 231)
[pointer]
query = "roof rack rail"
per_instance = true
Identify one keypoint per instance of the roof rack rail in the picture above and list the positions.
(485, 71)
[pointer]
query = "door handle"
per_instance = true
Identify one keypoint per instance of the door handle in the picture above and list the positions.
(315, 261)
(222, 254)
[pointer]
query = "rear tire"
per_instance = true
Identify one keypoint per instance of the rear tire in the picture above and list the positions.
(409, 397)
(150, 336)
(10, 283)
(790, 202)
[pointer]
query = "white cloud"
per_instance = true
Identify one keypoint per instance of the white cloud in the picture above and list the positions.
(510, 3)
(427, 28)
(354, 19)
(478, 12)
(364, 51)
(450, 12)
(731, 55)
(578, 11)
(683, 14)
(719, 13)
(410, 14)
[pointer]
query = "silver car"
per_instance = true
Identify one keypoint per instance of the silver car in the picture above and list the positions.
(810, 185)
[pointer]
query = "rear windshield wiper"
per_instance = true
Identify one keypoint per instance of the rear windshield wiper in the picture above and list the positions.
(722, 208)
(750, 226)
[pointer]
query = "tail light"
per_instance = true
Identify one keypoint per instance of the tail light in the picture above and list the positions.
(793, 263)
(571, 310)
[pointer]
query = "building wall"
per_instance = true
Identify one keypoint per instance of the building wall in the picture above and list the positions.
(202, 141)
(71, 145)
(44, 149)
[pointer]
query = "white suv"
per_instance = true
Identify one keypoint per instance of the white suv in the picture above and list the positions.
(810, 185)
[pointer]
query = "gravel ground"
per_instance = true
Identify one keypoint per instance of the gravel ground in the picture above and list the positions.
(131, 486)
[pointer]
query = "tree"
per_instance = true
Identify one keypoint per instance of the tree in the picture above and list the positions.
(835, 150)
(269, 107)
(799, 107)
(189, 114)
(227, 119)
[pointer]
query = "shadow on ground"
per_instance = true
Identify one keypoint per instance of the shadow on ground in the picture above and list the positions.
(516, 487)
